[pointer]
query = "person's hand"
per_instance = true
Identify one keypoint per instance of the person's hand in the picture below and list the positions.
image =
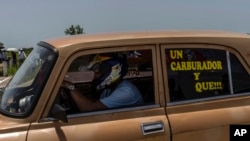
(67, 85)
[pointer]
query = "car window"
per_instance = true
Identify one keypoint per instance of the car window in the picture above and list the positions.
(240, 77)
(195, 73)
(21, 94)
(139, 73)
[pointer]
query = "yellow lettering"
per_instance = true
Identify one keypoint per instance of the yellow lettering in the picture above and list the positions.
(211, 85)
(179, 54)
(188, 64)
(219, 66)
(196, 66)
(198, 87)
(214, 66)
(196, 75)
(183, 65)
(204, 66)
(205, 86)
(209, 65)
(178, 66)
(173, 66)
(176, 54)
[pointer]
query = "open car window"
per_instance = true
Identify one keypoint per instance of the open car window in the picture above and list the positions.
(140, 73)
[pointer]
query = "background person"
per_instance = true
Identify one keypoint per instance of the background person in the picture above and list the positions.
(21, 56)
(13, 58)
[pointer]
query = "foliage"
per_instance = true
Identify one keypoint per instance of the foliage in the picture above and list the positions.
(27, 50)
(1, 45)
(12, 70)
(74, 30)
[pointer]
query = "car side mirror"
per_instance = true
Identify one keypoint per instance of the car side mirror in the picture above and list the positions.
(59, 113)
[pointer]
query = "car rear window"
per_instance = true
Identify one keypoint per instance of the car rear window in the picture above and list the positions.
(195, 73)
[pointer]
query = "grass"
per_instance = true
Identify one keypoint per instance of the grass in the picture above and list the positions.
(10, 72)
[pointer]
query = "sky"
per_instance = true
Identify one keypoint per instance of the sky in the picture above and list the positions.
(23, 23)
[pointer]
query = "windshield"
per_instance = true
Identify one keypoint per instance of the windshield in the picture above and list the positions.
(25, 88)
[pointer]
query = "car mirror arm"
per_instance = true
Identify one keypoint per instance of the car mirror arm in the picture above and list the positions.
(59, 113)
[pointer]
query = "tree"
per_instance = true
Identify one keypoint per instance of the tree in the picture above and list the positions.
(73, 30)
(1, 45)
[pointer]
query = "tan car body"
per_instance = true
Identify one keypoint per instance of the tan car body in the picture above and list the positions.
(205, 120)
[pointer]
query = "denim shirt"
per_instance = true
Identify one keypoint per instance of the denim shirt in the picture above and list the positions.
(125, 94)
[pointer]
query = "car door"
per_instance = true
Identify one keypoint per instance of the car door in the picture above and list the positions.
(11, 131)
(141, 122)
(207, 89)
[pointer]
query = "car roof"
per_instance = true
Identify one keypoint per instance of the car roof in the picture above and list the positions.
(91, 38)
(69, 44)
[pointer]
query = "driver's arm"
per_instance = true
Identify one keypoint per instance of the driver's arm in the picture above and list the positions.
(83, 102)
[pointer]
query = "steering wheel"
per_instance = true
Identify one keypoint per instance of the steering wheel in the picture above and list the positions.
(67, 102)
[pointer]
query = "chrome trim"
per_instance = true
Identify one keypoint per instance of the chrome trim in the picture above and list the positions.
(229, 73)
(207, 99)
(111, 111)
(152, 127)
(48, 119)
(108, 111)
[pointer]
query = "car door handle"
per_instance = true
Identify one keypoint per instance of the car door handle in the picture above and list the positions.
(152, 127)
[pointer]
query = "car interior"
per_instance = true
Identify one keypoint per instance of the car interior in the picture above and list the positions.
(140, 73)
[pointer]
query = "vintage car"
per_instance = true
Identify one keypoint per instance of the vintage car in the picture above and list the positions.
(195, 84)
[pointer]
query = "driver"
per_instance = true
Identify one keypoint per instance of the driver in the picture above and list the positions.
(113, 91)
